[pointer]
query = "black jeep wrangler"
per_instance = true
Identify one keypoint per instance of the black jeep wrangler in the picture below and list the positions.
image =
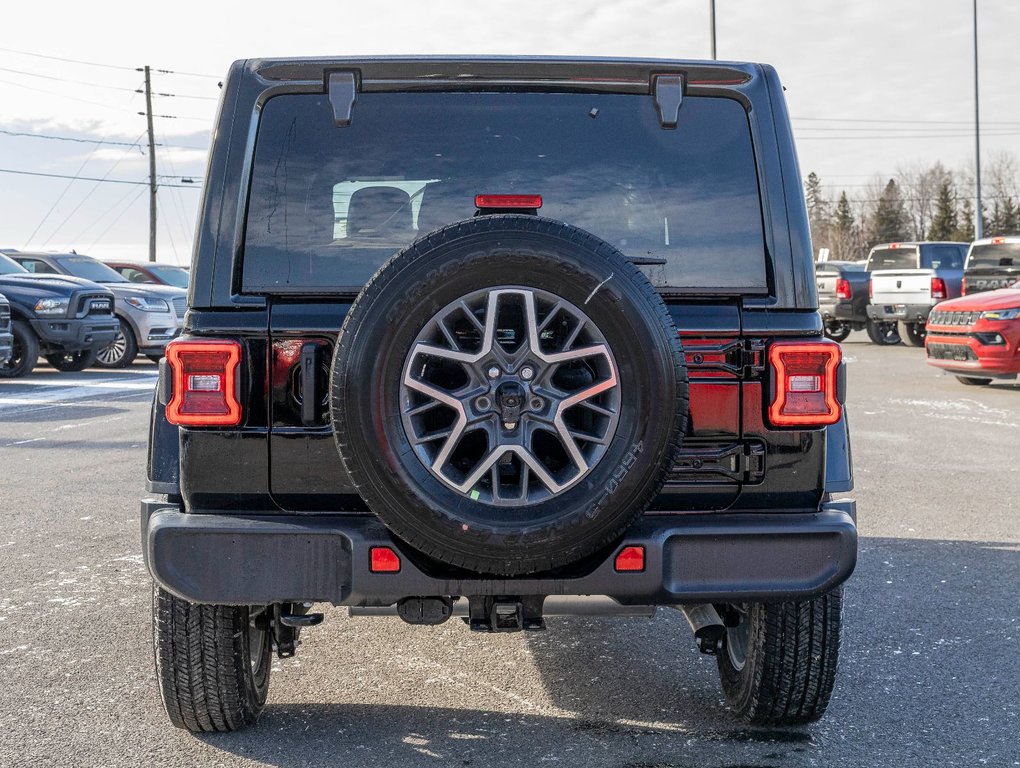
(499, 339)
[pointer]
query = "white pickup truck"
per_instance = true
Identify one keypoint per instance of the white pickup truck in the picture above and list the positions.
(907, 280)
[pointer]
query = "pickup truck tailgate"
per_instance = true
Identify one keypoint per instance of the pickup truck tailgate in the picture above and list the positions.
(905, 286)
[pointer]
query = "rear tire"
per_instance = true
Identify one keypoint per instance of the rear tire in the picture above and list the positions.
(25, 354)
(837, 331)
(882, 333)
(973, 381)
(72, 362)
(779, 666)
(212, 663)
(913, 333)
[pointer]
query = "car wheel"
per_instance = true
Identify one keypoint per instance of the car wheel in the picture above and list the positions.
(509, 394)
(25, 353)
(837, 331)
(212, 662)
(882, 333)
(778, 664)
(973, 381)
(913, 333)
(120, 352)
(72, 362)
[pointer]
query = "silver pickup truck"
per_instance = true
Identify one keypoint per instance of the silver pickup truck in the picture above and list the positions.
(908, 279)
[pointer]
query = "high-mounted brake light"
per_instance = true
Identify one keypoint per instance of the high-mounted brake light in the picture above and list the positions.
(204, 383)
(805, 379)
(894, 245)
(530, 202)
(938, 288)
(998, 240)
(842, 288)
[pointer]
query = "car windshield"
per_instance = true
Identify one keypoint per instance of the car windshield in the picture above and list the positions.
(994, 255)
(893, 258)
(90, 269)
(175, 276)
(329, 205)
(9, 266)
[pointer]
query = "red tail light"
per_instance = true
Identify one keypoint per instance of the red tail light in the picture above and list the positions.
(630, 559)
(842, 288)
(963, 287)
(532, 202)
(871, 288)
(204, 383)
(383, 560)
(805, 378)
(938, 288)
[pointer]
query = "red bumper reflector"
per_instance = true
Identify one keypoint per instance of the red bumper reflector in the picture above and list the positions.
(630, 559)
(204, 383)
(383, 560)
(804, 384)
(508, 201)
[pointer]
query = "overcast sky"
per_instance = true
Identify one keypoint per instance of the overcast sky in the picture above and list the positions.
(873, 85)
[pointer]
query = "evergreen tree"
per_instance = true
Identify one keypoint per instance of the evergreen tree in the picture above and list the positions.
(890, 220)
(964, 231)
(1005, 218)
(818, 211)
(944, 223)
(844, 231)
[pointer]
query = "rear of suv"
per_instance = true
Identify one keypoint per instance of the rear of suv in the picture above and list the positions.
(498, 339)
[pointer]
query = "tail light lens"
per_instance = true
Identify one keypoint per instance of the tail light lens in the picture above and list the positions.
(527, 202)
(963, 287)
(204, 381)
(805, 378)
(938, 288)
(871, 288)
(842, 288)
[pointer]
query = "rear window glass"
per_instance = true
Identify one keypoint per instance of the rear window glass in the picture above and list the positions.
(892, 258)
(943, 256)
(994, 255)
(329, 205)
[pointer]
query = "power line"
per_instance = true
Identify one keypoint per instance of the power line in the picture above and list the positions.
(917, 122)
(186, 74)
(66, 138)
(70, 61)
(61, 95)
(64, 79)
(93, 178)
(127, 208)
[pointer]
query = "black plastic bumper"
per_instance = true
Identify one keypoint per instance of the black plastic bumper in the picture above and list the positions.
(732, 557)
(74, 334)
(907, 313)
(840, 310)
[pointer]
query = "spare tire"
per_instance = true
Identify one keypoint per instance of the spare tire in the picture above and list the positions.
(508, 394)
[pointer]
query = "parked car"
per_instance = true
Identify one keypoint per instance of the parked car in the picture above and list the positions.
(65, 319)
(151, 272)
(993, 262)
(907, 280)
(6, 337)
(149, 316)
(842, 297)
(509, 392)
(977, 337)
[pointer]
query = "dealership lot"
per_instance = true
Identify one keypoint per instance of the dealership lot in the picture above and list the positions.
(928, 672)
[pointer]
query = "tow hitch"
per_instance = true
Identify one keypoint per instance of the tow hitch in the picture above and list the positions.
(505, 614)
(286, 622)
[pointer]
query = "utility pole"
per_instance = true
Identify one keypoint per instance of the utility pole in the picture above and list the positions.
(152, 167)
(978, 216)
(711, 4)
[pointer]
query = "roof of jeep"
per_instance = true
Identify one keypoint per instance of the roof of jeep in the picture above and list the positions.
(613, 73)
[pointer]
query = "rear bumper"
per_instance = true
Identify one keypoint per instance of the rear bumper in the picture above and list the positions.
(907, 313)
(732, 557)
(75, 334)
(839, 310)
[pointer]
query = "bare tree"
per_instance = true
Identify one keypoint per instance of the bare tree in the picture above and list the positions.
(920, 187)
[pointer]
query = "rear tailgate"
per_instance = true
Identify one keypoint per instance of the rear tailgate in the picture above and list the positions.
(825, 282)
(904, 286)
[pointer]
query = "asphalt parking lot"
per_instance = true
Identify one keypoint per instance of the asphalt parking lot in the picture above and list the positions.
(929, 670)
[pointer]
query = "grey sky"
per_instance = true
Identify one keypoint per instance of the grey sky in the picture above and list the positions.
(842, 63)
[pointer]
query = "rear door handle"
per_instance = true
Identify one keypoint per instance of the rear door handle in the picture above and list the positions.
(310, 397)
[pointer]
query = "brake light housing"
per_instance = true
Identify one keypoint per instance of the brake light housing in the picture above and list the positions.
(805, 378)
(842, 288)
(204, 383)
(509, 202)
(938, 288)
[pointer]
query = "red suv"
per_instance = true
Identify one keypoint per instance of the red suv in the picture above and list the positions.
(977, 337)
